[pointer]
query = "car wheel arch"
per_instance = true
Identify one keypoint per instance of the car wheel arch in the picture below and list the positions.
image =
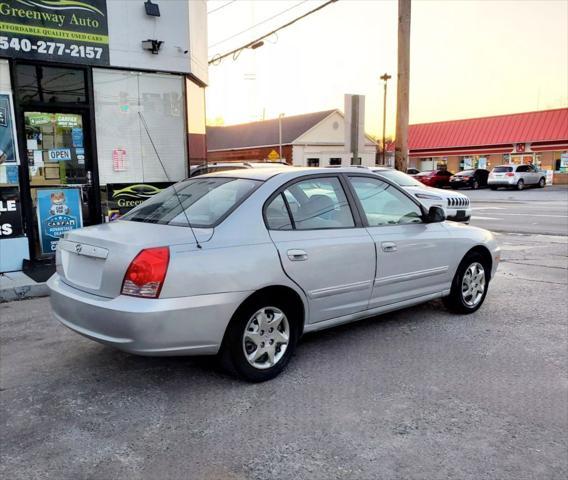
(275, 291)
(485, 254)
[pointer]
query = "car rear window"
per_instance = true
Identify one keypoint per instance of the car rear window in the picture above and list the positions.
(503, 169)
(466, 173)
(205, 201)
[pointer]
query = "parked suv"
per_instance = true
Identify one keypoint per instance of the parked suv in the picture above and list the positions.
(516, 176)
(224, 166)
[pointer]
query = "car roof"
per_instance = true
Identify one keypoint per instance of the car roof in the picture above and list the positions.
(264, 174)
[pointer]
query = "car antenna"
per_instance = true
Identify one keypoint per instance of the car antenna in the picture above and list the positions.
(145, 125)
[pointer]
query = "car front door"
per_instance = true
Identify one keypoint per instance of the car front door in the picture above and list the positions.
(322, 245)
(413, 257)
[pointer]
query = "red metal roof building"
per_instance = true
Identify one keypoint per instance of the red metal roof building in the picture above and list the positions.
(540, 138)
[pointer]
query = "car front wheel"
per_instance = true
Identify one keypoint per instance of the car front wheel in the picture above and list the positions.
(542, 182)
(469, 287)
(260, 340)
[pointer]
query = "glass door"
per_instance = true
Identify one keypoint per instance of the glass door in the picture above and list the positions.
(60, 179)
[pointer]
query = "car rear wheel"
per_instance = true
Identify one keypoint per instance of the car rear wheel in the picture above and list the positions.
(542, 182)
(260, 340)
(520, 185)
(475, 185)
(469, 286)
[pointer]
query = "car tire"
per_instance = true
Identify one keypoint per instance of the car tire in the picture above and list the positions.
(542, 182)
(520, 185)
(250, 328)
(465, 296)
(493, 188)
(475, 185)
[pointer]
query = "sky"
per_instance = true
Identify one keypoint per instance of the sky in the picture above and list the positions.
(468, 58)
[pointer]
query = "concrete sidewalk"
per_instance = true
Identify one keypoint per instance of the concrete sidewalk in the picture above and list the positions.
(18, 286)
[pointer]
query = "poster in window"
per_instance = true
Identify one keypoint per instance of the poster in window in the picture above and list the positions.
(8, 144)
(55, 30)
(58, 211)
(10, 213)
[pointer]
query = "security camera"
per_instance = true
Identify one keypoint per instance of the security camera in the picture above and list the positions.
(182, 50)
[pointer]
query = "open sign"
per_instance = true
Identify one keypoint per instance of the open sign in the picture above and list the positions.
(59, 154)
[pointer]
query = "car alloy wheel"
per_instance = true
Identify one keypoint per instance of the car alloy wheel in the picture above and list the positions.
(542, 183)
(265, 338)
(520, 185)
(473, 284)
(475, 185)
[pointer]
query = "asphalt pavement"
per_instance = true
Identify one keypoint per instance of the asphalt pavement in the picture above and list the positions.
(534, 210)
(415, 394)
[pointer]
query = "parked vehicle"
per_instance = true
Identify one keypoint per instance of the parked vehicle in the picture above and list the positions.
(435, 178)
(225, 166)
(412, 171)
(242, 263)
(456, 206)
(473, 179)
(516, 176)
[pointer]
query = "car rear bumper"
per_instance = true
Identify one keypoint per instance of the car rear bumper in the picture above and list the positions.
(170, 326)
(460, 184)
(502, 182)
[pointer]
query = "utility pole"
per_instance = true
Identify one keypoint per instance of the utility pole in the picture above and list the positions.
(401, 145)
(385, 77)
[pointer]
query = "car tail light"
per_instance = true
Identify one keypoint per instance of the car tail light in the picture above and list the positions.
(509, 174)
(147, 272)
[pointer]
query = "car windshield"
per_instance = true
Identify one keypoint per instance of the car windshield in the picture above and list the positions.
(204, 201)
(503, 169)
(466, 173)
(400, 178)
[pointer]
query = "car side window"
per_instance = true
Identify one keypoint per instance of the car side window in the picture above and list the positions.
(383, 204)
(277, 216)
(315, 203)
(522, 169)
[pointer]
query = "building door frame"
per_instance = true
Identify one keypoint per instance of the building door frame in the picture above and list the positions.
(87, 111)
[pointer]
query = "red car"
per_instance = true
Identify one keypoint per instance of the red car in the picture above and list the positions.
(435, 178)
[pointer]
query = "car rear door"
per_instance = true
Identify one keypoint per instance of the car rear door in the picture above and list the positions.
(413, 257)
(322, 245)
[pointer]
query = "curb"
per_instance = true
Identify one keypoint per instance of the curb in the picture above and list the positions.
(12, 289)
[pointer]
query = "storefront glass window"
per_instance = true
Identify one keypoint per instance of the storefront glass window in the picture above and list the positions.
(50, 84)
(125, 104)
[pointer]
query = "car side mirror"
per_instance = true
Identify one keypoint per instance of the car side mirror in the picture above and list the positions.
(435, 215)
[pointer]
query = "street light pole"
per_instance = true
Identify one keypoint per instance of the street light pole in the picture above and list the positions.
(385, 77)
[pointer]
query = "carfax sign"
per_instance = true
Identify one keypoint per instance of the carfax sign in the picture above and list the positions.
(69, 31)
(58, 211)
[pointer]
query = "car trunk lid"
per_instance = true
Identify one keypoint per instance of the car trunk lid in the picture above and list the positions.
(95, 259)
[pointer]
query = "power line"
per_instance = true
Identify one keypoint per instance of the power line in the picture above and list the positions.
(257, 24)
(218, 58)
(222, 6)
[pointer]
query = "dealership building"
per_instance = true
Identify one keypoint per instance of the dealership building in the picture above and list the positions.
(539, 138)
(101, 106)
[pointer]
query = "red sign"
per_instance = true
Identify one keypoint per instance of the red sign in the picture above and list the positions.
(519, 147)
(119, 160)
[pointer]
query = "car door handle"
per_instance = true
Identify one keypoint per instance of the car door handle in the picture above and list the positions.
(297, 255)
(388, 247)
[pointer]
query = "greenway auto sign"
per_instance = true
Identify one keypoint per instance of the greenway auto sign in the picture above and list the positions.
(69, 31)
(123, 197)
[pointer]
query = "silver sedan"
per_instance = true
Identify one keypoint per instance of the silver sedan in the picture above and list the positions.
(242, 263)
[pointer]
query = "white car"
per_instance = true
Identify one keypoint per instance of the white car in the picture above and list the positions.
(516, 176)
(456, 205)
